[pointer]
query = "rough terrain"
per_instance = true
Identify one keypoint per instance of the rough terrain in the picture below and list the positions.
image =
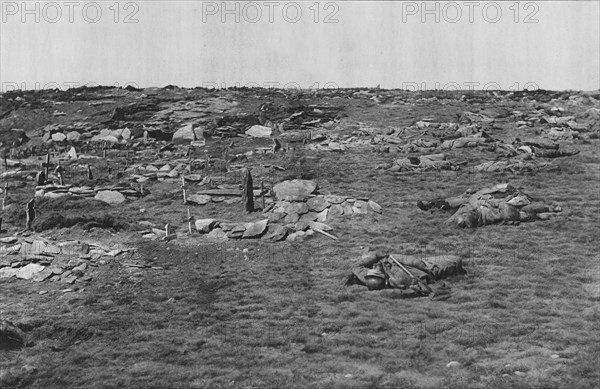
(97, 295)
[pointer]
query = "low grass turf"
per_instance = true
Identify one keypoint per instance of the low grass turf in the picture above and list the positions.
(524, 316)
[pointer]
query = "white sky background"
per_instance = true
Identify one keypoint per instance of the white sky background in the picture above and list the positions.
(370, 44)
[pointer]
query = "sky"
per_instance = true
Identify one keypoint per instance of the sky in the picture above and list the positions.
(404, 44)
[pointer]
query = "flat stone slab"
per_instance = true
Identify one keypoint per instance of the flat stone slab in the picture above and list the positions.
(374, 206)
(276, 233)
(221, 192)
(317, 203)
(28, 271)
(199, 199)
(294, 190)
(258, 131)
(255, 229)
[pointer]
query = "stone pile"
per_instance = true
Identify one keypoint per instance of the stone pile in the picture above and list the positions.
(39, 259)
(112, 194)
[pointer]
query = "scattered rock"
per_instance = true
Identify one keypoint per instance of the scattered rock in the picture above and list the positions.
(204, 226)
(276, 233)
(453, 364)
(296, 207)
(28, 271)
(184, 135)
(199, 199)
(110, 197)
(217, 233)
(317, 203)
(374, 206)
(255, 229)
(58, 137)
(294, 190)
(259, 131)
(322, 216)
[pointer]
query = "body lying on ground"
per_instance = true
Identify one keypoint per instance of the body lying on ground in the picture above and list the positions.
(418, 277)
(502, 203)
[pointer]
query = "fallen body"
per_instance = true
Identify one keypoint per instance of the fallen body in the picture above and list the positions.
(416, 276)
(502, 203)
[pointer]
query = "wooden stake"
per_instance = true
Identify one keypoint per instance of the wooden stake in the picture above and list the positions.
(89, 172)
(30, 213)
(324, 233)
(262, 193)
(189, 221)
(47, 164)
(247, 190)
(183, 189)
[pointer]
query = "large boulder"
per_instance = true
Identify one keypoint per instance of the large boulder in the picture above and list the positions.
(204, 226)
(184, 135)
(28, 271)
(256, 229)
(110, 196)
(294, 190)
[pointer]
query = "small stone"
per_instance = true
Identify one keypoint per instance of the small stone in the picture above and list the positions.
(309, 217)
(296, 207)
(317, 203)
(9, 240)
(453, 364)
(58, 137)
(217, 233)
(199, 199)
(520, 373)
(322, 216)
(335, 210)
(258, 131)
(335, 199)
(348, 209)
(360, 207)
(374, 206)
(301, 226)
(42, 275)
(554, 356)
(291, 218)
(276, 233)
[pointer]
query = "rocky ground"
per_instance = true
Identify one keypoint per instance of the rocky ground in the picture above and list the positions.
(142, 267)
